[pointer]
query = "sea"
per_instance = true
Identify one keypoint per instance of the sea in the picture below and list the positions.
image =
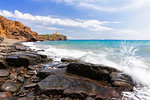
(130, 56)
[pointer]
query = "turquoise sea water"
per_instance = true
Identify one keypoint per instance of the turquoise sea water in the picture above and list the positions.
(130, 56)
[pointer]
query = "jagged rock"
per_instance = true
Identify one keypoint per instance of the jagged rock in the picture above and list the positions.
(97, 72)
(4, 73)
(75, 87)
(10, 86)
(16, 30)
(102, 73)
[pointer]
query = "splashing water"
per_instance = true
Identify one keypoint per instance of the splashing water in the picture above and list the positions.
(131, 57)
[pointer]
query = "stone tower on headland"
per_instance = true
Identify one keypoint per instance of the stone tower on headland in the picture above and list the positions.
(57, 32)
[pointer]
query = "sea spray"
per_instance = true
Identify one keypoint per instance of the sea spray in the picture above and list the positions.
(131, 57)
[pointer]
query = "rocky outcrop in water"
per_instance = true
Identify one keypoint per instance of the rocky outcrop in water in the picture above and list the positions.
(51, 37)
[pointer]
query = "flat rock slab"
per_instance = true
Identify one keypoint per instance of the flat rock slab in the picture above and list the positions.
(10, 86)
(4, 73)
(75, 86)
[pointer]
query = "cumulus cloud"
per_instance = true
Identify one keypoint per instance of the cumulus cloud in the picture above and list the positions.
(105, 5)
(93, 25)
(48, 28)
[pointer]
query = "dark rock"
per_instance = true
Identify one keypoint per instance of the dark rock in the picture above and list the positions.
(31, 85)
(43, 73)
(102, 73)
(3, 64)
(90, 70)
(4, 95)
(19, 60)
(24, 59)
(4, 73)
(20, 79)
(69, 60)
(75, 87)
(10, 86)
(124, 82)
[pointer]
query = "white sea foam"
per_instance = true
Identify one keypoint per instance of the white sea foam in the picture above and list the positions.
(124, 60)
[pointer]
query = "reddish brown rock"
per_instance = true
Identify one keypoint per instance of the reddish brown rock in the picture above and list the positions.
(4, 95)
(16, 30)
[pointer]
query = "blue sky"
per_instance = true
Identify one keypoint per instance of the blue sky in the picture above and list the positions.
(83, 19)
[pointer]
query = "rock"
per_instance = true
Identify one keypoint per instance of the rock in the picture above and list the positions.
(13, 76)
(43, 73)
(51, 37)
(68, 85)
(1, 39)
(124, 82)
(21, 48)
(102, 73)
(16, 30)
(3, 64)
(69, 60)
(4, 73)
(20, 79)
(89, 98)
(15, 60)
(97, 72)
(10, 86)
(4, 95)
(31, 85)
(26, 98)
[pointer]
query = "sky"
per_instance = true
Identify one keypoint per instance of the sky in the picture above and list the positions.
(83, 19)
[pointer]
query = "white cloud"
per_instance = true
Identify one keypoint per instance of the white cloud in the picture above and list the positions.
(105, 5)
(48, 28)
(93, 25)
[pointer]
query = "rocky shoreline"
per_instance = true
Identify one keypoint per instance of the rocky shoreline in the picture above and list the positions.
(27, 75)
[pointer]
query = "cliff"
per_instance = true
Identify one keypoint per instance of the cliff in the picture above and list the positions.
(51, 37)
(16, 30)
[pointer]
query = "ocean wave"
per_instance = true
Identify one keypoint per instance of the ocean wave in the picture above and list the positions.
(123, 58)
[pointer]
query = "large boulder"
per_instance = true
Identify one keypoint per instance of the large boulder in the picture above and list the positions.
(24, 58)
(67, 85)
(112, 76)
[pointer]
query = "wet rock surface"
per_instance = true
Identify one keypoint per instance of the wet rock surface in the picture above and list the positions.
(10, 86)
(102, 73)
(27, 75)
(4, 73)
